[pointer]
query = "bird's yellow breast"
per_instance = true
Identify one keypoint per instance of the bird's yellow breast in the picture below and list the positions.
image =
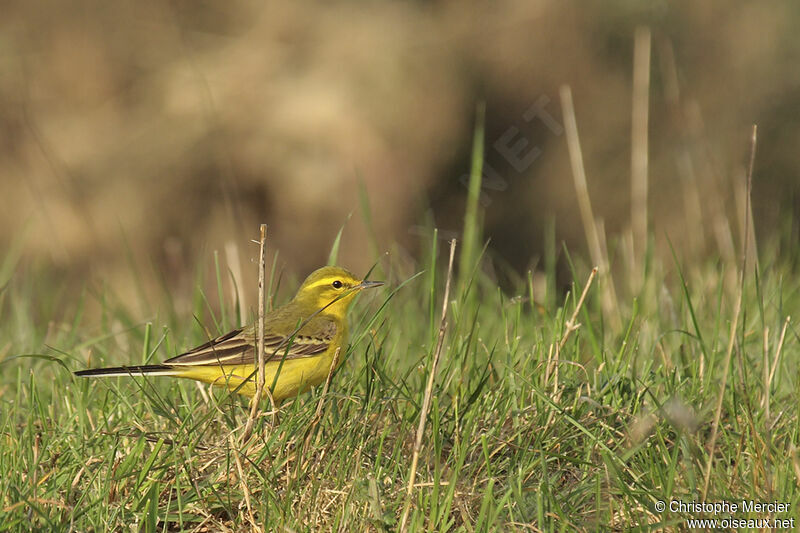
(294, 375)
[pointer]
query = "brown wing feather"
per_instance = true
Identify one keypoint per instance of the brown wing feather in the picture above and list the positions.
(238, 347)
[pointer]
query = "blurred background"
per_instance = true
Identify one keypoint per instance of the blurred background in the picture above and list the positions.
(143, 136)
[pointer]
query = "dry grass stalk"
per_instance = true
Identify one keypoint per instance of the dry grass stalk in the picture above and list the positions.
(426, 402)
(734, 325)
(570, 326)
(255, 402)
(746, 224)
(609, 301)
(243, 483)
(639, 142)
(778, 350)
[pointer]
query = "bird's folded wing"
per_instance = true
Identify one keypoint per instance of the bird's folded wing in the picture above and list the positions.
(239, 347)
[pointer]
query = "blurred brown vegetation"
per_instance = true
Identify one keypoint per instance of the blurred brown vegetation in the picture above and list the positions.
(164, 130)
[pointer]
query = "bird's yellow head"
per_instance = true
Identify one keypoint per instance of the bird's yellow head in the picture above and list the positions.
(332, 288)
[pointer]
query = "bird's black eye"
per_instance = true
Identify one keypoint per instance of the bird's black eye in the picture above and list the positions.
(337, 284)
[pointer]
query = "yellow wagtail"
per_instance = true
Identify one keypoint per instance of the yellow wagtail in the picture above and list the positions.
(300, 341)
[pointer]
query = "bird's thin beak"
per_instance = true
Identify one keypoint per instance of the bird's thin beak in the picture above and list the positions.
(368, 284)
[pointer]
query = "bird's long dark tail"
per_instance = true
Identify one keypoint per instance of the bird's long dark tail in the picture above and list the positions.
(143, 370)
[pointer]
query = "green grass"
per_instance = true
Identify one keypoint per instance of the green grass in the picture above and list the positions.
(627, 422)
(533, 425)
